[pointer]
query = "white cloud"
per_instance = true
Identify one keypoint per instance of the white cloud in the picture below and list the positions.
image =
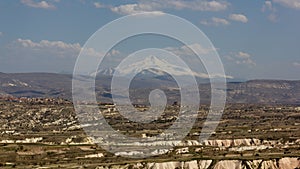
(269, 8)
(1, 33)
(273, 17)
(297, 64)
(243, 55)
(158, 5)
(238, 17)
(268, 5)
(295, 4)
(25, 55)
(113, 52)
(40, 4)
(134, 9)
(241, 58)
(98, 5)
(198, 5)
(56, 48)
(187, 50)
(128, 9)
(220, 21)
(215, 21)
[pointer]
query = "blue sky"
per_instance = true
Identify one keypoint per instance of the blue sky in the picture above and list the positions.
(255, 39)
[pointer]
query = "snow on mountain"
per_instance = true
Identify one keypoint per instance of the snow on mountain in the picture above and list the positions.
(154, 66)
(14, 83)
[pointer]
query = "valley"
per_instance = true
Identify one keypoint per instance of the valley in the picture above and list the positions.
(45, 133)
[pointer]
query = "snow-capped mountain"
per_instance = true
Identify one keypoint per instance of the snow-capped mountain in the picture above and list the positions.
(151, 66)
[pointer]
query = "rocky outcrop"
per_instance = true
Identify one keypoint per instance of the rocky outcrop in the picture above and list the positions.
(26, 140)
(253, 164)
(270, 164)
(232, 145)
(284, 163)
(289, 163)
(203, 164)
(226, 164)
(165, 165)
(191, 164)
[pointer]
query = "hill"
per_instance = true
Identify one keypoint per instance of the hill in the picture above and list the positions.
(60, 85)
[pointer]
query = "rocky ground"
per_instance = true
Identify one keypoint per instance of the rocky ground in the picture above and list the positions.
(45, 133)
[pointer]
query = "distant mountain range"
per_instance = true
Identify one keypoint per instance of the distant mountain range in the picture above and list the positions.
(60, 85)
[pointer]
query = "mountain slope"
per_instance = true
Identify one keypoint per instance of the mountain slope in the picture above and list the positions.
(60, 85)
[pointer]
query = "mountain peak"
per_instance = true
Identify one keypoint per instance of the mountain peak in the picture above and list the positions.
(153, 65)
(152, 59)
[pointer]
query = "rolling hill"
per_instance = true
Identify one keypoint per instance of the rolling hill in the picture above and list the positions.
(60, 85)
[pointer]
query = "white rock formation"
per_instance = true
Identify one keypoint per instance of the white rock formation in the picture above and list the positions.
(270, 164)
(191, 164)
(289, 163)
(284, 163)
(253, 164)
(228, 164)
(94, 155)
(204, 164)
(165, 165)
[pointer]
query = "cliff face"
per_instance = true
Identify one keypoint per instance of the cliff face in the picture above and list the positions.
(283, 163)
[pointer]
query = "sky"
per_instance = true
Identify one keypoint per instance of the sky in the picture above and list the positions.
(255, 39)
